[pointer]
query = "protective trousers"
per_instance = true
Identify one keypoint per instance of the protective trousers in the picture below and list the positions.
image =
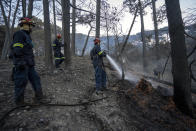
(21, 77)
(59, 58)
(100, 78)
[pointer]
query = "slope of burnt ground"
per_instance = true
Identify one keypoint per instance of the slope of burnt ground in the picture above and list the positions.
(124, 107)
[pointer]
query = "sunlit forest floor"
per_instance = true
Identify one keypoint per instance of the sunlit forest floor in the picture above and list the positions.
(124, 107)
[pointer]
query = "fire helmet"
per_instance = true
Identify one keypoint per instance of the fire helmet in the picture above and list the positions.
(26, 20)
(58, 36)
(97, 40)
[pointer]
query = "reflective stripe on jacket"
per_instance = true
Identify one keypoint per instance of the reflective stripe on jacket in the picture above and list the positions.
(22, 48)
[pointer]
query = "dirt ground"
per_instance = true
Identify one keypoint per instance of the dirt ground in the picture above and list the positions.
(76, 107)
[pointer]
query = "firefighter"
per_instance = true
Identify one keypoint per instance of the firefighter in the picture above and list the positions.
(59, 57)
(23, 60)
(97, 60)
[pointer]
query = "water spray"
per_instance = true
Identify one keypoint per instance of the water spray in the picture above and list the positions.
(128, 75)
(115, 65)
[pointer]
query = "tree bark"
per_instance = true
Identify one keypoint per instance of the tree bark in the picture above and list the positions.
(66, 29)
(10, 11)
(107, 30)
(73, 26)
(5, 47)
(12, 27)
(24, 8)
(83, 50)
(30, 8)
(54, 15)
(143, 36)
(7, 40)
(155, 28)
(14, 17)
(98, 7)
(180, 70)
(47, 36)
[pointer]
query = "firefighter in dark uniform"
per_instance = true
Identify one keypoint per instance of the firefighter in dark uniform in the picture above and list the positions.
(23, 60)
(59, 57)
(97, 60)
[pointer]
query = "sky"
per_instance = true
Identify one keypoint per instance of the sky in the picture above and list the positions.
(127, 19)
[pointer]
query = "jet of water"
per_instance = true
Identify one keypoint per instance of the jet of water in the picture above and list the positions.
(115, 65)
(128, 75)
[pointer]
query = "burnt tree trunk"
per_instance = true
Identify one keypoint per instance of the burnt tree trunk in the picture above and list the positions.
(10, 11)
(155, 28)
(180, 70)
(24, 7)
(54, 15)
(13, 23)
(143, 36)
(66, 29)
(47, 36)
(107, 31)
(7, 40)
(98, 8)
(83, 50)
(30, 8)
(73, 27)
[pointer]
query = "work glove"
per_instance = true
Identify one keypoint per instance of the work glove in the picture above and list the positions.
(104, 53)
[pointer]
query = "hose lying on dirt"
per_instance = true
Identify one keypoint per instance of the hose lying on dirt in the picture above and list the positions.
(48, 104)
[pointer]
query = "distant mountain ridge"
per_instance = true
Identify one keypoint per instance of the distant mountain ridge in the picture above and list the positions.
(134, 39)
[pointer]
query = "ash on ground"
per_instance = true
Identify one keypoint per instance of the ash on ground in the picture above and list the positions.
(124, 107)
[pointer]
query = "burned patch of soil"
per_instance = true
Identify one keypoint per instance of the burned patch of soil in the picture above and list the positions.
(123, 107)
(148, 110)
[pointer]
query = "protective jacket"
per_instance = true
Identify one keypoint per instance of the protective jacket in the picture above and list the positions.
(22, 49)
(59, 57)
(97, 55)
(57, 48)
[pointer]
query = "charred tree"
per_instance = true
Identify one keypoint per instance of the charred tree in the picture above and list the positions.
(66, 29)
(24, 4)
(13, 23)
(155, 28)
(180, 69)
(30, 8)
(107, 31)
(54, 15)
(98, 8)
(143, 35)
(47, 36)
(10, 11)
(9, 30)
(73, 27)
(7, 40)
(86, 41)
